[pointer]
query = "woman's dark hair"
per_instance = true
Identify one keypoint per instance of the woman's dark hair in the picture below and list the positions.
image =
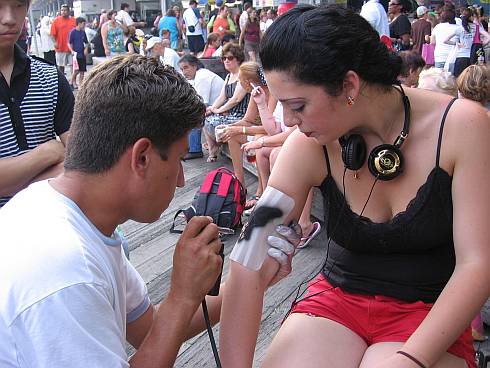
(466, 14)
(110, 13)
(412, 61)
(320, 45)
(171, 12)
(191, 60)
(448, 15)
(235, 50)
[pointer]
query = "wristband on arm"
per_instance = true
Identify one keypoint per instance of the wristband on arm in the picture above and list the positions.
(413, 359)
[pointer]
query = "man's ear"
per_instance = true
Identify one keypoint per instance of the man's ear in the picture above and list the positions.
(140, 155)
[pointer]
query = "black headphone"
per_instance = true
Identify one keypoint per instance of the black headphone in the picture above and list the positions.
(385, 161)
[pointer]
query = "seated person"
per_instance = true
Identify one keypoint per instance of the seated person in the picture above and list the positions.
(212, 44)
(232, 101)
(437, 80)
(249, 126)
(412, 65)
(208, 85)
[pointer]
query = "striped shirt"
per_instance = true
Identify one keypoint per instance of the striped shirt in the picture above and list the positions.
(29, 109)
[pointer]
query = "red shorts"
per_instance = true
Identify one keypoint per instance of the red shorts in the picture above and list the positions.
(375, 318)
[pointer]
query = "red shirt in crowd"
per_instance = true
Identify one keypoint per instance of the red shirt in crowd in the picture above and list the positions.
(60, 30)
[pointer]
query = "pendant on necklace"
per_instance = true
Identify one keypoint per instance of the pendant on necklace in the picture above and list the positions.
(356, 175)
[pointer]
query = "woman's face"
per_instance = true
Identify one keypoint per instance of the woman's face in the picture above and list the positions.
(316, 113)
(230, 61)
(245, 82)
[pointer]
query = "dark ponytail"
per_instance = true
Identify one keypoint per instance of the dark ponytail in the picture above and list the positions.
(320, 45)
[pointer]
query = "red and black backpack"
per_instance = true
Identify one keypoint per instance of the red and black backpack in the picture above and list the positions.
(221, 197)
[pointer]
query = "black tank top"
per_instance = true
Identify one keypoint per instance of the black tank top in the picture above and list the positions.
(410, 257)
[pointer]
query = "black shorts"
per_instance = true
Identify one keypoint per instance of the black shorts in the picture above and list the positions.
(196, 43)
(82, 64)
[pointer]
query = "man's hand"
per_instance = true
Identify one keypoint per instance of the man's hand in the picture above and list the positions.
(282, 247)
(196, 263)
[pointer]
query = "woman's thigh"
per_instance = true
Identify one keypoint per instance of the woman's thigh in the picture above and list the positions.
(377, 352)
(306, 341)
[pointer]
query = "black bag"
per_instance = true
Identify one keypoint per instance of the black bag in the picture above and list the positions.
(221, 197)
(191, 29)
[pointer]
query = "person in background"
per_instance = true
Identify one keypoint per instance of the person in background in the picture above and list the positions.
(113, 35)
(421, 29)
(36, 108)
(374, 12)
(60, 31)
(103, 17)
(212, 45)
(156, 48)
(227, 38)
(125, 19)
(22, 41)
(180, 26)
(446, 26)
(400, 28)
(47, 42)
(271, 17)
(474, 84)
(242, 21)
(412, 65)
(438, 80)
(134, 41)
(263, 21)
(250, 37)
(222, 23)
(169, 23)
(208, 85)
(157, 19)
(193, 28)
(78, 43)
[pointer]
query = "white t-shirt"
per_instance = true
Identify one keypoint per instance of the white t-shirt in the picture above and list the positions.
(441, 32)
(243, 20)
(268, 23)
(66, 291)
(218, 52)
(376, 15)
(466, 39)
(170, 57)
(208, 85)
(190, 19)
(124, 17)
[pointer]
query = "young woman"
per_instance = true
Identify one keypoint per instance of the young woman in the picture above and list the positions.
(113, 35)
(394, 288)
(212, 45)
(250, 36)
(232, 103)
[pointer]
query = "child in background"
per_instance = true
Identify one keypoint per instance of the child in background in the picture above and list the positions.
(78, 44)
(212, 45)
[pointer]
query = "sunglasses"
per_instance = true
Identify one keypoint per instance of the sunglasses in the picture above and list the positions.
(229, 58)
(394, 4)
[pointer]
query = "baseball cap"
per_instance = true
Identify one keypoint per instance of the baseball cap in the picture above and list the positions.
(421, 10)
(152, 42)
(140, 33)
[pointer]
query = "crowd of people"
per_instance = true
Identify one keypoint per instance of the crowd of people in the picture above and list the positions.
(352, 104)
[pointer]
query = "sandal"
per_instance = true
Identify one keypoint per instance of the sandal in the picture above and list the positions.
(313, 233)
(251, 202)
(211, 159)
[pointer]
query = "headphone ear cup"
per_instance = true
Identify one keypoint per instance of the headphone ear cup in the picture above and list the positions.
(385, 162)
(353, 152)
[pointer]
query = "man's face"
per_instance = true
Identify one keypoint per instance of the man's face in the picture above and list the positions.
(224, 13)
(188, 70)
(65, 12)
(12, 17)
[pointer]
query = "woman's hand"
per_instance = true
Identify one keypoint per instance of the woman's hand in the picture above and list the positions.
(210, 110)
(253, 145)
(258, 95)
(229, 132)
(107, 52)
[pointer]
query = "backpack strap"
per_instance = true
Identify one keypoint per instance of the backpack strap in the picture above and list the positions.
(214, 207)
(172, 228)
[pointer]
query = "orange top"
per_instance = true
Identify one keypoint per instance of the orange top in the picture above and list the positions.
(220, 26)
(60, 30)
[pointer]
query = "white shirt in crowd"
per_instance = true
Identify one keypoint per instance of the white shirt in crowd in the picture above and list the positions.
(190, 19)
(268, 23)
(208, 85)
(242, 21)
(441, 32)
(67, 291)
(170, 57)
(47, 42)
(376, 15)
(124, 17)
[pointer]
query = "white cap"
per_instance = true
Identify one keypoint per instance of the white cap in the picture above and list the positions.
(152, 42)
(139, 32)
(421, 10)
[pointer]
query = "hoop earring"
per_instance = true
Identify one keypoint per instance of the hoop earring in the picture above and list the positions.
(350, 100)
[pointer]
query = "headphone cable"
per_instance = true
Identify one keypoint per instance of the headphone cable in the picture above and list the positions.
(210, 333)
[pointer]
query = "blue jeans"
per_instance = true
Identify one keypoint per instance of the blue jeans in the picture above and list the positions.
(195, 141)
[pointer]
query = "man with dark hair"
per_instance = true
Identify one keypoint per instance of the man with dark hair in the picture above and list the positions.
(36, 107)
(72, 298)
(60, 30)
(125, 19)
(78, 44)
(193, 24)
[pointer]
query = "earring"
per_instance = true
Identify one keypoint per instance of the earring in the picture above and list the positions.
(350, 100)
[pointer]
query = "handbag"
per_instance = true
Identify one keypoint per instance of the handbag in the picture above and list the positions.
(428, 53)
